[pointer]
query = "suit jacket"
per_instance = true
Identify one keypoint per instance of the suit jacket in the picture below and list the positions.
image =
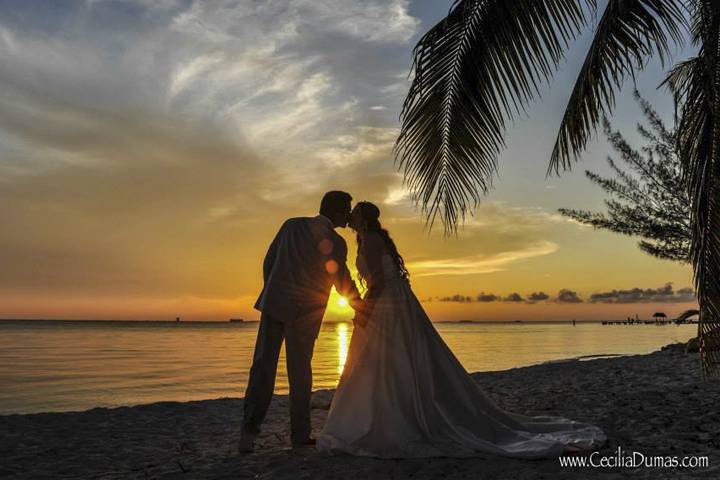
(305, 259)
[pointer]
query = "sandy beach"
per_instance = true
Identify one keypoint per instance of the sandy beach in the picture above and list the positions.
(655, 404)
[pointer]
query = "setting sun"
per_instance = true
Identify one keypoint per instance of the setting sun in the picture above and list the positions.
(338, 308)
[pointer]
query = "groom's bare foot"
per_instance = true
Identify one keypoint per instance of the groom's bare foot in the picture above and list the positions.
(247, 443)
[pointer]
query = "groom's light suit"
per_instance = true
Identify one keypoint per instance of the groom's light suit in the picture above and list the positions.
(306, 258)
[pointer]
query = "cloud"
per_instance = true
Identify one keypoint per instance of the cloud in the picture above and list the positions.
(496, 239)
(185, 122)
(137, 154)
(151, 148)
(538, 297)
(362, 146)
(297, 79)
(514, 298)
(568, 296)
(511, 219)
(483, 298)
(132, 210)
(122, 197)
(664, 294)
(479, 264)
(457, 299)
(300, 78)
(188, 72)
(486, 297)
(296, 20)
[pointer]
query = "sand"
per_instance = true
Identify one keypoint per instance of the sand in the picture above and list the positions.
(656, 404)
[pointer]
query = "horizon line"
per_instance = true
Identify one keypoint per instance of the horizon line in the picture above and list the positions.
(172, 321)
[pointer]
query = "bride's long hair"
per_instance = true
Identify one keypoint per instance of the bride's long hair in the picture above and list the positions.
(370, 214)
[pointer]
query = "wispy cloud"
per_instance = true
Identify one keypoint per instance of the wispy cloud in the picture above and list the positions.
(290, 74)
(479, 264)
(507, 219)
(147, 147)
(153, 147)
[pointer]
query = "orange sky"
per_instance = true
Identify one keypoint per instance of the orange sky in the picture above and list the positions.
(148, 155)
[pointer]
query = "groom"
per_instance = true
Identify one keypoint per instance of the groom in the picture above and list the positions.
(306, 258)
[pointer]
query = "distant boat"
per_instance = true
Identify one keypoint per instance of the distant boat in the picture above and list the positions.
(236, 320)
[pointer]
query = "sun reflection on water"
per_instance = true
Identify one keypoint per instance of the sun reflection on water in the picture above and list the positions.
(342, 339)
(144, 362)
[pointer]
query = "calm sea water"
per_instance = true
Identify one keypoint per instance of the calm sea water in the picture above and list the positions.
(62, 366)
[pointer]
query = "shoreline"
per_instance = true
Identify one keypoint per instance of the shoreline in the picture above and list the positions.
(320, 392)
(654, 403)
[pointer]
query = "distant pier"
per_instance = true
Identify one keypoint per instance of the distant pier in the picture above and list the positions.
(633, 321)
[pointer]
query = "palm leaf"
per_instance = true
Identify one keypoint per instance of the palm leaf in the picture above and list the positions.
(687, 315)
(628, 33)
(475, 70)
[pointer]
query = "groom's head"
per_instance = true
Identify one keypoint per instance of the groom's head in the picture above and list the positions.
(336, 205)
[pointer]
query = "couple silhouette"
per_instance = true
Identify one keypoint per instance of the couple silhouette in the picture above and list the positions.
(402, 392)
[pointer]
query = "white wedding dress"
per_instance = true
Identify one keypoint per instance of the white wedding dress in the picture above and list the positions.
(404, 394)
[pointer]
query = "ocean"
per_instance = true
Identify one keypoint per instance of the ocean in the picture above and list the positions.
(76, 365)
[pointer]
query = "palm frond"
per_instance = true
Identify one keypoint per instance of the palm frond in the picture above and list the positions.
(475, 70)
(696, 84)
(628, 33)
(687, 315)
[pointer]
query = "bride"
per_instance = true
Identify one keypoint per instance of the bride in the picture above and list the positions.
(403, 393)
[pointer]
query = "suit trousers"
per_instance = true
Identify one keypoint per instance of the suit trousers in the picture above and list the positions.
(299, 344)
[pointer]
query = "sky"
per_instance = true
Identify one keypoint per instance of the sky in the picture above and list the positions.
(149, 151)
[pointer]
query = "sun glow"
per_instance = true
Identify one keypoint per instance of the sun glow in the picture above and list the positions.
(338, 308)
(342, 336)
